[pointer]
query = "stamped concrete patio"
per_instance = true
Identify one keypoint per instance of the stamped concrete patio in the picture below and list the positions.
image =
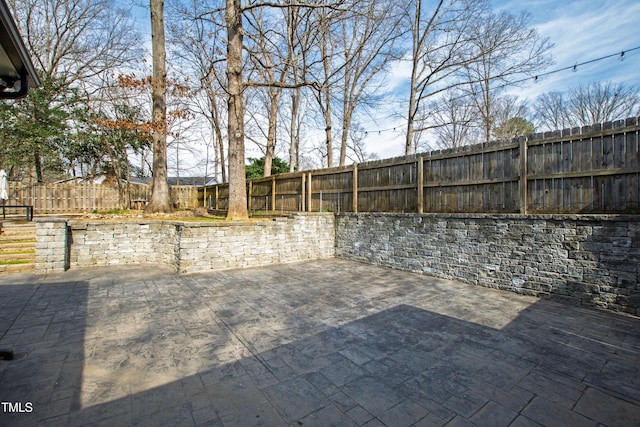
(320, 343)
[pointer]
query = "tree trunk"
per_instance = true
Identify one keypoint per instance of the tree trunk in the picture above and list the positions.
(413, 89)
(37, 160)
(274, 95)
(346, 125)
(295, 131)
(237, 181)
(160, 195)
(219, 141)
(327, 111)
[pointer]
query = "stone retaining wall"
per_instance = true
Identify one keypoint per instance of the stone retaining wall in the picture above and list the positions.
(188, 246)
(52, 246)
(590, 260)
(109, 243)
(300, 237)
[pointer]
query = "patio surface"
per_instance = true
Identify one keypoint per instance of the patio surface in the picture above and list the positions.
(321, 343)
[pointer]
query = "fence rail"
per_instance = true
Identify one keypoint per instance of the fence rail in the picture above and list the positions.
(78, 198)
(593, 169)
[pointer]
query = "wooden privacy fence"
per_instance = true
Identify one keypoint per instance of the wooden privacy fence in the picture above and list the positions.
(79, 198)
(593, 169)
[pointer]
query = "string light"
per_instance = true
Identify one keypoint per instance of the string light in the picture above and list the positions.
(537, 78)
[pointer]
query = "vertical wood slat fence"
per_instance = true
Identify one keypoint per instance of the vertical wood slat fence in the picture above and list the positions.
(593, 169)
(79, 198)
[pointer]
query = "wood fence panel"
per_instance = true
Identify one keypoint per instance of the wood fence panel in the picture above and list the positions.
(78, 198)
(289, 191)
(593, 169)
(331, 191)
(388, 188)
(585, 170)
(184, 196)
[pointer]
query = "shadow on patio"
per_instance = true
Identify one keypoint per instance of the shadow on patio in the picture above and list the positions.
(323, 343)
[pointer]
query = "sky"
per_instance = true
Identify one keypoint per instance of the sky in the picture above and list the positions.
(580, 30)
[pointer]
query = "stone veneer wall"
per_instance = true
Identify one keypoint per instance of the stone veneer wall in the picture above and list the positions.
(108, 243)
(300, 237)
(52, 254)
(188, 246)
(589, 260)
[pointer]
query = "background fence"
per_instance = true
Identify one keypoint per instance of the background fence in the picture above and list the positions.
(593, 169)
(77, 198)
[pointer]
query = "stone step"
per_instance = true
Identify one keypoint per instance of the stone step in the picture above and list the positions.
(29, 256)
(17, 268)
(17, 239)
(17, 247)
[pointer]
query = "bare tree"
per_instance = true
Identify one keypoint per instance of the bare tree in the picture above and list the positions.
(73, 41)
(324, 94)
(236, 85)
(599, 102)
(357, 145)
(302, 37)
(585, 105)
(160, 196)
(454, 119)
(440, 48)
(198, 45)
(506, 48)
(552, 111)
(270, 52)
(368, 38)
(75, 45)
(237, 208)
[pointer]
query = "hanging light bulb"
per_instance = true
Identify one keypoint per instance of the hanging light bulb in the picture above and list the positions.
(575, 68)
(621, 58)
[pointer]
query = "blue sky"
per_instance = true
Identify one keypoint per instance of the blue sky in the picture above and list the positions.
(581, 30)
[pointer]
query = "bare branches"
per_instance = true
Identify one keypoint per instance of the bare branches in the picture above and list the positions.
(584, 105)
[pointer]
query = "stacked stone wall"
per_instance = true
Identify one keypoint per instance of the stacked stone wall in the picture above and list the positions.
(589, 260)
(110, 243)
(250, 244)
(52, 246)
(186, 246)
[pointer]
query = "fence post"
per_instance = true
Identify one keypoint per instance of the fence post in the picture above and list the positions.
(420, 185)
(355, 188)
(302, 205)
(309, 193)
(217, 194)
(273, 193)
(523, 175)
(250, 194)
